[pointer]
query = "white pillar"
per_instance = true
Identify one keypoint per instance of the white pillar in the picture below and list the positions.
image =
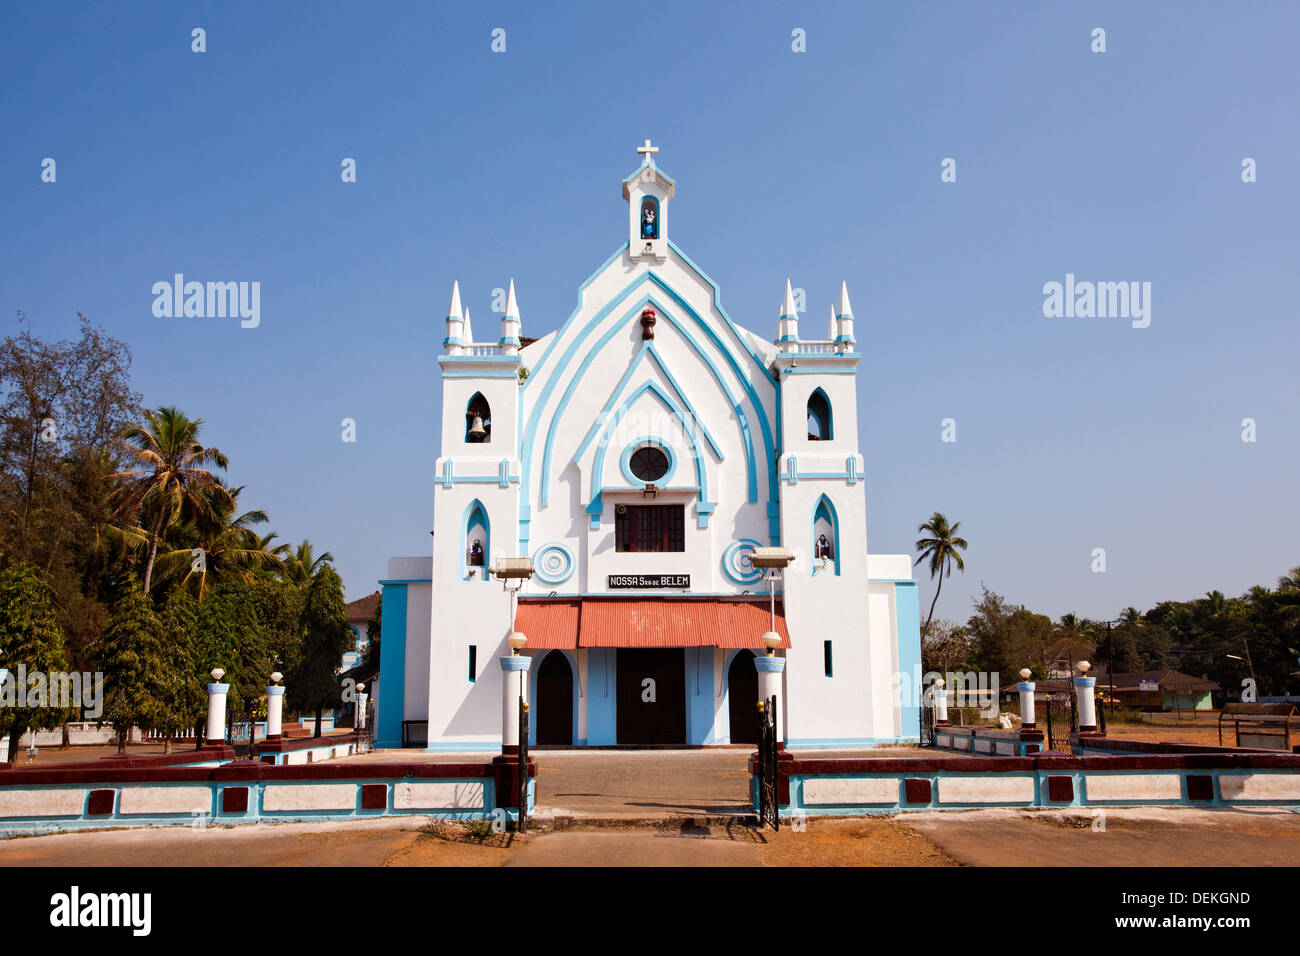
(1083, 689)
(274, 711)
(216, 735)
(769, 685)
(940, 701)
(360, 722)
(514, 685)
(1027, 715)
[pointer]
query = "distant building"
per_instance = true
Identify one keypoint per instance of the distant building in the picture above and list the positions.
(1165, 689)
(359, 613)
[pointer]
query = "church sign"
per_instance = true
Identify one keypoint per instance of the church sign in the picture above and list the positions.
(616, 581)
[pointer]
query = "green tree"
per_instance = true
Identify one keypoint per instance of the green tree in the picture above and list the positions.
(231, 635)
(133, 657)
(186, 695)
(942, 549)
(326, 634)
(301, 564)
(167, 476)
(29, 635)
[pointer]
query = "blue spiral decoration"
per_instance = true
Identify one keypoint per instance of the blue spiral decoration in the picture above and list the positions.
(735, 562)
(553, 563)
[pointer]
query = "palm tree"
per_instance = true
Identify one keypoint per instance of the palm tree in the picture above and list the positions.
(232, 550)
(301, 563)
(166, 476)
(943, 549)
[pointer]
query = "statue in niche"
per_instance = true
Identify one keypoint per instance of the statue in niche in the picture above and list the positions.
(649, 220)
(824, 547)
(476, 554)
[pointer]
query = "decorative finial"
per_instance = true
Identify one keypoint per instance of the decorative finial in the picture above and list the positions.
(648, 317)
(648, 152)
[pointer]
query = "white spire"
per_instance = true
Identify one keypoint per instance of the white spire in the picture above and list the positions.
(787, 326)
(787, 307)
(845, 310)
(510, 323)
(845, 317)
(469, 331)
(455, 340)
(831, 330)
(453, 310)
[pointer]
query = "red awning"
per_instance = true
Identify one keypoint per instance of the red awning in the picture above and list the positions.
(549, 625)
(569, 623)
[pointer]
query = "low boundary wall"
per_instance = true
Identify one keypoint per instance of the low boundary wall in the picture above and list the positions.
(44, 801)
(988, 740)
(870, 785)
(304, 750)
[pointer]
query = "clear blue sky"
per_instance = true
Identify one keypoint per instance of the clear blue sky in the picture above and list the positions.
(1072, 433)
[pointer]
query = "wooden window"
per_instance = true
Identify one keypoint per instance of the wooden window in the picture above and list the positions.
(650, 528)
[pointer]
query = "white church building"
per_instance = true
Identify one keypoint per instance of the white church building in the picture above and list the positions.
(637, 456)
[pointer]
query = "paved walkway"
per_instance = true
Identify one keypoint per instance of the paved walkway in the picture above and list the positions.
(638, 784)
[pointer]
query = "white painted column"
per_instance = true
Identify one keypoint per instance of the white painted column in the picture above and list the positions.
(1026, 688)
(274, 711)
(216, 735)
(770, 670)
(514, 685)
(1084, 689)
(359, 723)
(940, 696)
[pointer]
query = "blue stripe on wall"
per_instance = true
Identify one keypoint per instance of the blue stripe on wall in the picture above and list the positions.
(392, 659)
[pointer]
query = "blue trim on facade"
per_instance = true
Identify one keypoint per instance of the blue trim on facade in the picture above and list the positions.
(582, 342)
(556, 577)
(648, 441)
(699, 696)
(731, 566)
(601, 691)
(598, 468)
(392, 686)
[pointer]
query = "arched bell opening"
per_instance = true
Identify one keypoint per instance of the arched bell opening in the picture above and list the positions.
(478, 420)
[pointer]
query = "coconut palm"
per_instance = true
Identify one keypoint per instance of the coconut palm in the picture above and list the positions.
(301, 564)
(166, 477)
(231, 550)
(943, 549)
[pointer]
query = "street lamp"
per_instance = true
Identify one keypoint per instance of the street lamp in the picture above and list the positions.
(773, 562)
(517, 570)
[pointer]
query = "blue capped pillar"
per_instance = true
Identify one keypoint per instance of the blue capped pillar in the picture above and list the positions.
(1084, 689)
(514, 688)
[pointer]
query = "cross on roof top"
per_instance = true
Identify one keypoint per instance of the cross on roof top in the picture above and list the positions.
(648, 151)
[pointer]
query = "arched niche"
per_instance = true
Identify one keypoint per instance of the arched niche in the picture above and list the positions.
(820, 426)
(478, 420)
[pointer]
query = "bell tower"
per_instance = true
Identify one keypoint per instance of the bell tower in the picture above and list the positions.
(648, 192)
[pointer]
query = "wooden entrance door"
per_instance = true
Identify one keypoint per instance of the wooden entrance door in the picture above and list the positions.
(554, 700)
(742, 698)
(651, 695)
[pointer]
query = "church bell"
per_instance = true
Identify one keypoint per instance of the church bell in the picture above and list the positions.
(476, 429)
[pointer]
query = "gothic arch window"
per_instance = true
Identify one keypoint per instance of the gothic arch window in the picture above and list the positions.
(825, 538)
(649, 218)
(819, 416)
(476, 542)
(478, 419)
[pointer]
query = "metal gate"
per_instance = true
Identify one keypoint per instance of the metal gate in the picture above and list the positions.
(523, 765)
(1062, 720)
(241, 740)
(927, 724)
(768, 812)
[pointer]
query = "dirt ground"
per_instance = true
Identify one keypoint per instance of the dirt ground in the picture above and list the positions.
(1153, 837)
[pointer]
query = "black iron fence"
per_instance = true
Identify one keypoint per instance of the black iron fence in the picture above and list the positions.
(768, 809)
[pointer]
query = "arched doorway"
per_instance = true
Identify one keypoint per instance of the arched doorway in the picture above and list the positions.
(555, 700)
(742, 698)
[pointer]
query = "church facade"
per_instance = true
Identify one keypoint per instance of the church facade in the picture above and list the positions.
(638, 455)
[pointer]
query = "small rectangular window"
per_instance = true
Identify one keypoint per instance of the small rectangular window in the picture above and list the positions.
(473, 662)
(826, 655)
(650, 528)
